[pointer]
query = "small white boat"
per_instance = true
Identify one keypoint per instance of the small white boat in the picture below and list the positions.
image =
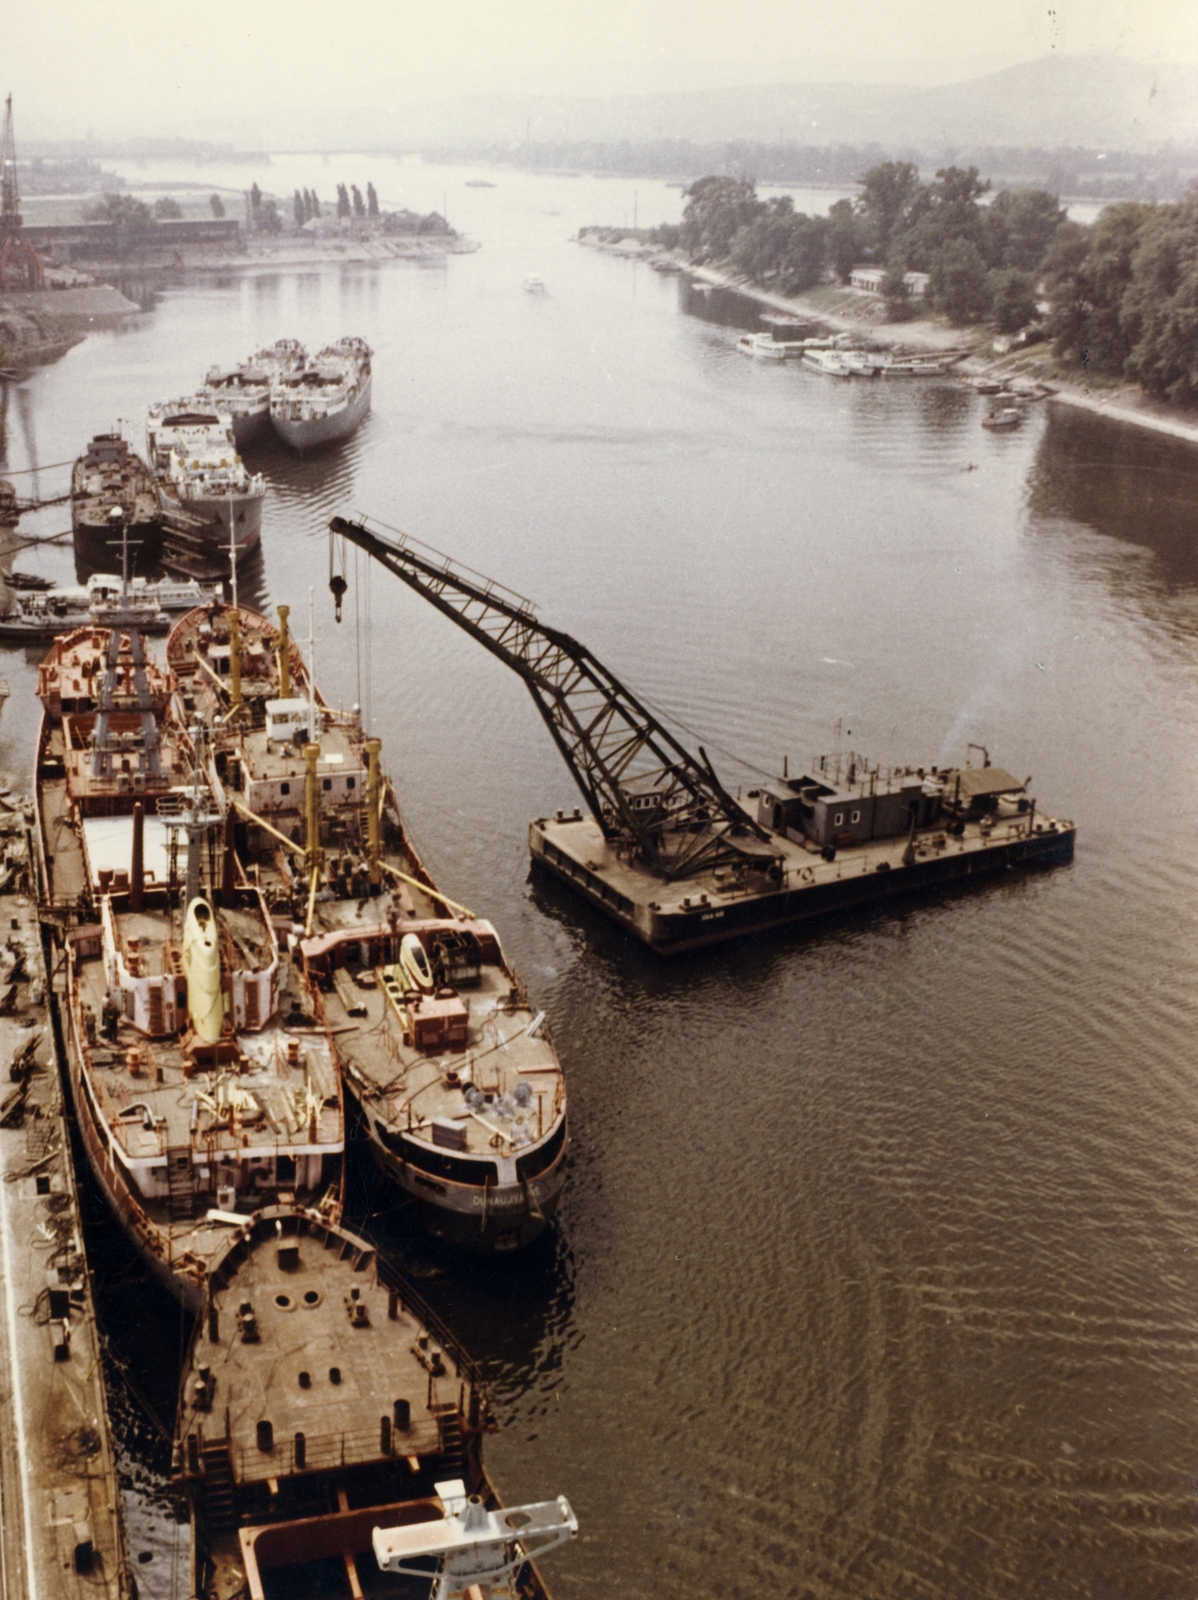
(913, 367)
(861, 363)
(1004, 420)
(762, 345)
(830, 362)
(534, 283)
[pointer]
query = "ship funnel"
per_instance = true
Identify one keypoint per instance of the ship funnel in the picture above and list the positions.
(284, 649)
(374, 806)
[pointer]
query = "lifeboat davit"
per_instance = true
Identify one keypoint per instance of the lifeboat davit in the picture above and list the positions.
(201, 968)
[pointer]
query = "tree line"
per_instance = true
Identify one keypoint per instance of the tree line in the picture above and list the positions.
(1124, 295)
(982, 261)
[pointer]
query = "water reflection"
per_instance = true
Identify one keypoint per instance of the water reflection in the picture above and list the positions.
(1123, 483)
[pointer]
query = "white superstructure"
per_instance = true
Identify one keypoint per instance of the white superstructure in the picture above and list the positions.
(327, 400)
(192, 452)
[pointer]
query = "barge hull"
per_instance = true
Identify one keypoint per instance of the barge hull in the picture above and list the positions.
(811, 889)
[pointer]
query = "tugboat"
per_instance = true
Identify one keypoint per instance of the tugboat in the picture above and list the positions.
(326, 401)
(446, 1060)
(244, 391)
(203, 1083)
(200, 475)
(110, 477)
(329, 1434)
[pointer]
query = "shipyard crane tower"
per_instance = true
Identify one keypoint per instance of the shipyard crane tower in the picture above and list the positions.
(20, 265)
(648, 794)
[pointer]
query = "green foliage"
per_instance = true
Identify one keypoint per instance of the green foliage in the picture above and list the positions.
(344, 209)
(298, 210)
(132, 218)
(359, 203)
(1159, 312)
(166, 209)
(897, 293)
(217, 205)
(1087, 273)
(372, 201)
(889, 203)
(1012, 298)
(269, 219)
(959, 282)
(1020, 225)
(119, 208)
(845, 239)
(255, 198)
(716, 210)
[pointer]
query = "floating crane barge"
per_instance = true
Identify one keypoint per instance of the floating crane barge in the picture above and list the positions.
(665, 850)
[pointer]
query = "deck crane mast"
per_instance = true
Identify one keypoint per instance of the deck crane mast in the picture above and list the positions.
(648, 794)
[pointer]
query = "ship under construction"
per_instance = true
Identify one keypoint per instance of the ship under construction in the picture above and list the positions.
(664, 848)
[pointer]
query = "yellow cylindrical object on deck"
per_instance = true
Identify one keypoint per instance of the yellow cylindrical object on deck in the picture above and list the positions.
(201, 968)
(373, 746)
(284, 648)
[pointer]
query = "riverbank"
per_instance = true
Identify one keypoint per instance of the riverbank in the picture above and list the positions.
(263, 255)
(854, 311)
(39, 325)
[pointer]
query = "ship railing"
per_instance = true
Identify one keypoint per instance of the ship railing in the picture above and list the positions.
(325, 1452)
(391, 1276)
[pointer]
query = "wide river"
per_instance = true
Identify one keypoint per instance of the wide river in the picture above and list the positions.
(875, 1275)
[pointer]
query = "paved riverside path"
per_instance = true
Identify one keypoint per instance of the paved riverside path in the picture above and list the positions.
(60, 1529)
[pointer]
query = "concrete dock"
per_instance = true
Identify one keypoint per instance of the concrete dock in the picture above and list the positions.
(60, 1524)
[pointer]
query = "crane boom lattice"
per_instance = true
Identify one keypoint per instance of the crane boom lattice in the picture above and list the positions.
(644, 789)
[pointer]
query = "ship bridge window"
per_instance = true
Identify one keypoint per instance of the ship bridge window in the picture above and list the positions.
(326, 784)
(838, 819)
(856, 817)
(349, 783)
(284, 788)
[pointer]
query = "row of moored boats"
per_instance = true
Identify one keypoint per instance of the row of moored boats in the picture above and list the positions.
(255, 959)
(838, 356)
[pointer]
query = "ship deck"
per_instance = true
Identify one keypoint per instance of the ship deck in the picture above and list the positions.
(60, 1529)
(709, 907)
(413, 1090)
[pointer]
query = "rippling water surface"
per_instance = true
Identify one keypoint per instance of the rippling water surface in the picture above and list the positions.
(875, 1274)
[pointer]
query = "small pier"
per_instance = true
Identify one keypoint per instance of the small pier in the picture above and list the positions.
(60, 1524)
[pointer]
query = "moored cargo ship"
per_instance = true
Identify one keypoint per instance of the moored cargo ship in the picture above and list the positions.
(445, 1057)
(191, 450)
(244, 391)
(110, 477)
(202, 1082)
(329, 1434)
(326, 401)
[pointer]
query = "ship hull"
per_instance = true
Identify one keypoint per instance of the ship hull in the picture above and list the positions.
(146, 1239)
(473, 1220)
(250, 426)
(95, 545)
(213, 515)
(671, 933)
(314, 432)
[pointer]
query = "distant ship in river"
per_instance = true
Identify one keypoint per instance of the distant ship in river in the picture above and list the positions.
(200, 475)
(326, 400)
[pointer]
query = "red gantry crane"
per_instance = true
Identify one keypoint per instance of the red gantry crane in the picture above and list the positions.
(20, 265)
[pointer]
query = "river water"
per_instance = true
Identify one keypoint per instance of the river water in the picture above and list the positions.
(875, 1275)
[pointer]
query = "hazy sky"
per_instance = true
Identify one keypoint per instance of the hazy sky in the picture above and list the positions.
(132, 64)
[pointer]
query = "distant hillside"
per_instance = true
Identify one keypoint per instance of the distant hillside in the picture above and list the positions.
(1073, 100)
